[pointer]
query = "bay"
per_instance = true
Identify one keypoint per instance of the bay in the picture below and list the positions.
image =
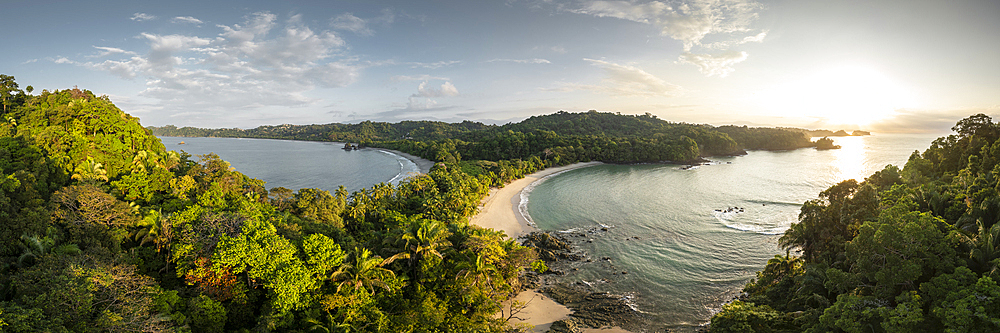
(301, 164)
(690, 239)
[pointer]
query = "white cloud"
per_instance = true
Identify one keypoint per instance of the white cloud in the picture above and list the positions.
(110, 51)
(415, 103)
(433, 65)
(425, 77)
(755, 38)
(447, 89)
(624, 80)
(29, 61)
(714, 64)
(349, 22)
(686, 21)
(522, 61)
(186, 19)
(139, 17)
(251, 65)
(758, 38)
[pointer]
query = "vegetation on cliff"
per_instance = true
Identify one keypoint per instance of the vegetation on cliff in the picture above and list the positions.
(911, 250)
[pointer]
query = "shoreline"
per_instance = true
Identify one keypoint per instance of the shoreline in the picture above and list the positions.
(500, 212)
(500, 208)
(423, 164)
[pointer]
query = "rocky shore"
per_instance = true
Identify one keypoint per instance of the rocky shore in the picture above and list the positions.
(591, 308)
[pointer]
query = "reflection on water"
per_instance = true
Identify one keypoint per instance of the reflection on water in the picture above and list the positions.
(849, 159)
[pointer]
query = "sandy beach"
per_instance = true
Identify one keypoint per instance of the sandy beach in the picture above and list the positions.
(499, 211)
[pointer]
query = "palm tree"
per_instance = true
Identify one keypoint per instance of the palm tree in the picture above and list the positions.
(481, 271)
(90, 171)
(35, 247)
(986, 248)
(365, 273)
(141, 160)
(423, 239)
(154, 227)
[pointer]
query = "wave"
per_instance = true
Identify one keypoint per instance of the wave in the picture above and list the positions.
(727, 219)
(763, 230)
(406, 168)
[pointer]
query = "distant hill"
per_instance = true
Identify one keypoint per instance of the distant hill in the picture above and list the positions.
(825, 133)
(590, 131)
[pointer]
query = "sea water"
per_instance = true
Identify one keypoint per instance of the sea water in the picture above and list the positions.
(301, 164)
(689, 240)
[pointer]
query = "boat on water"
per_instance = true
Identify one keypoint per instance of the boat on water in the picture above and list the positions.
(181, 143)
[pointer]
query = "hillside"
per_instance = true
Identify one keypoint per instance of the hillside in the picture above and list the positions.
(103, 230)
(562, 137)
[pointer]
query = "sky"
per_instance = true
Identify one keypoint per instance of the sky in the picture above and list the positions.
(885, 66)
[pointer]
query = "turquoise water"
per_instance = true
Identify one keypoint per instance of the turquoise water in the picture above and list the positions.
(672, 231)
(301, 164)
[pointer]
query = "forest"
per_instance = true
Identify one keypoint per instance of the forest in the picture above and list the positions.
(561, 137)
(104, 230)
(915, 249)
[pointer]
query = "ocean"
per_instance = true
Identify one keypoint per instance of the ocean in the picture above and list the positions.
(688, 240)
(301, 164)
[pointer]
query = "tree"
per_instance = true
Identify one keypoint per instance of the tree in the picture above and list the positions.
(364, 274)
(8, 88)
(90, 171)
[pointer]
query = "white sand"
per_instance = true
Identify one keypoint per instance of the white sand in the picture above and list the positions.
(500, 212)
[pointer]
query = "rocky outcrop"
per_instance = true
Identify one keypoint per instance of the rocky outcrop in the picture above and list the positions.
(565, 326)
(551, 247)
(594, 309)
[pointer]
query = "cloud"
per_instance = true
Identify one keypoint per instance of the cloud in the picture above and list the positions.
(522, 61)
(624, 80)
(349, 22)
(255, 64)
(686, 21)
(186, 19)
(447, 90)
(433, 65)
(29, 61)
(110, 51)
(758, 38)
(139, 17)
(714, 64)
(425, 77)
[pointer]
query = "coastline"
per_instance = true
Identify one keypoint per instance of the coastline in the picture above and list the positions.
(499, 209)
(423, 164)
(500, 212)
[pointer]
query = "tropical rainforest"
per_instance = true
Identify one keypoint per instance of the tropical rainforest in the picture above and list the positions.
(103, 230)
(915, 249)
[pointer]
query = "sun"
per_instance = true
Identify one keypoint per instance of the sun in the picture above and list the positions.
(839, 95)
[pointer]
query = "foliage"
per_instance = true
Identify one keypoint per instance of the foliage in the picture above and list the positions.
(905, 250)
(104, 230)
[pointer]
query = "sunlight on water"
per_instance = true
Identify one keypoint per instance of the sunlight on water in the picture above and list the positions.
(850, 158)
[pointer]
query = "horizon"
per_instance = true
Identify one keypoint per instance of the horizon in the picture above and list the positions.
(847, 65)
